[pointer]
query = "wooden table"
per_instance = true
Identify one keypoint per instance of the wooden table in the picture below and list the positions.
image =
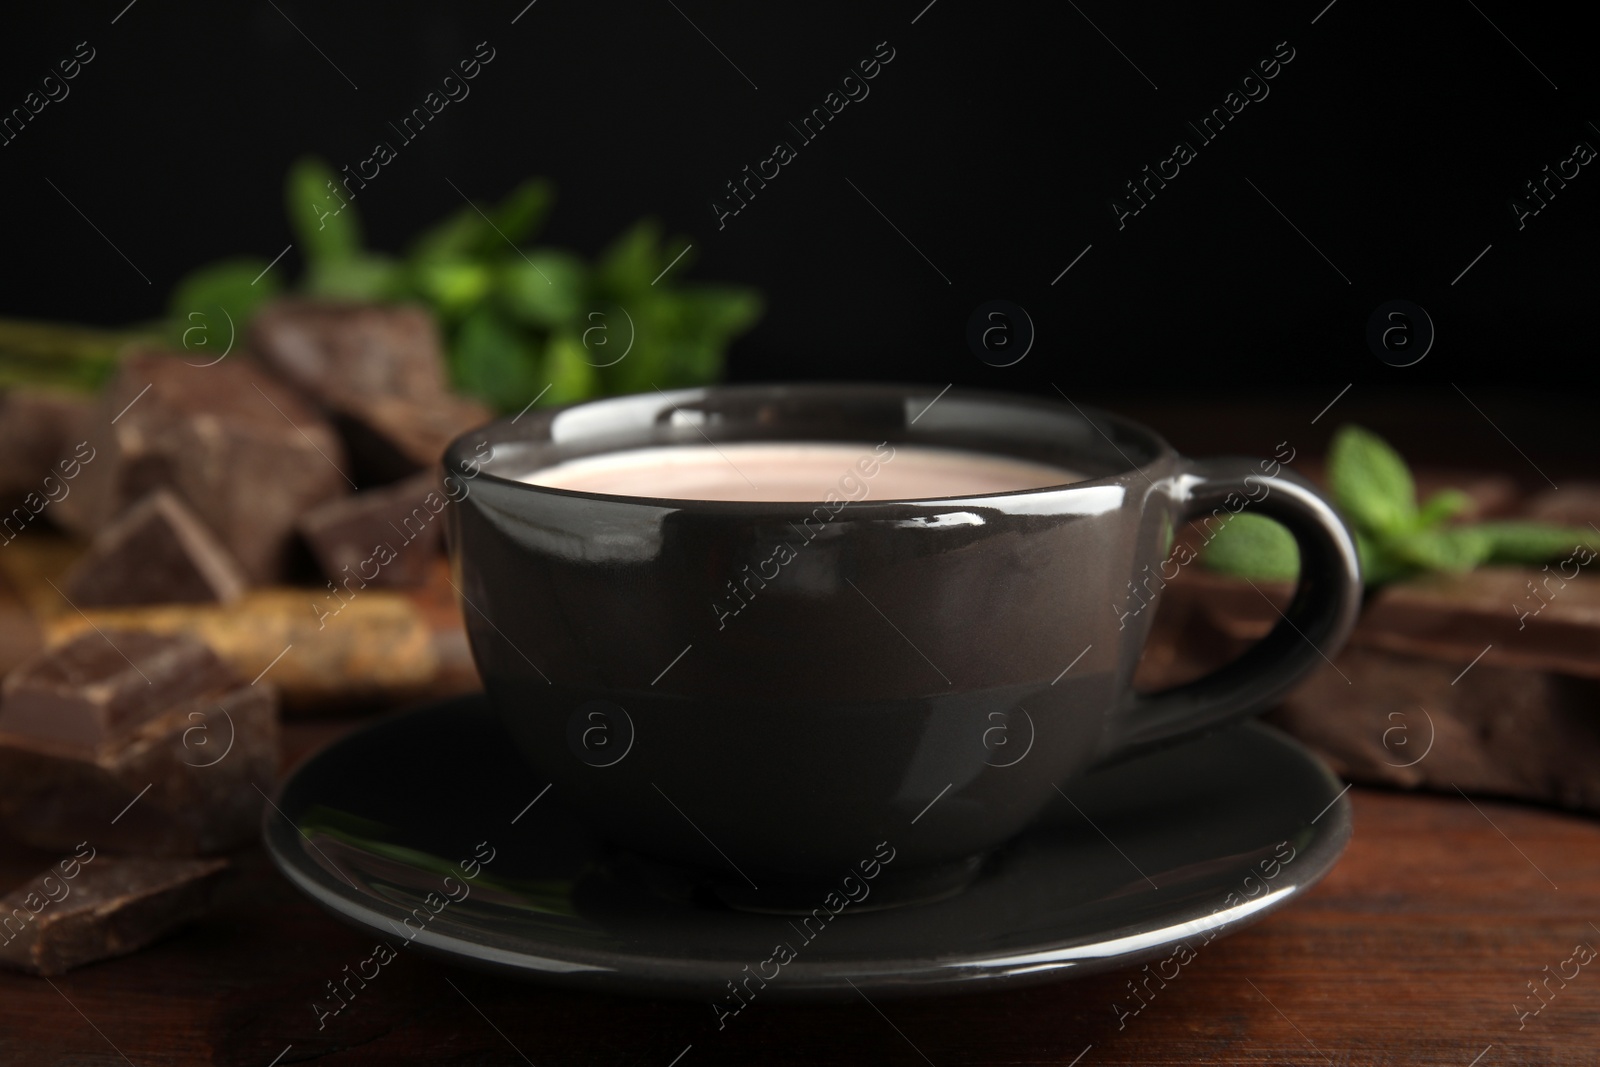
(1415, 950)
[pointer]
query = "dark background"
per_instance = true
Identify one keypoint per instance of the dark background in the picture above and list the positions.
(996, 138)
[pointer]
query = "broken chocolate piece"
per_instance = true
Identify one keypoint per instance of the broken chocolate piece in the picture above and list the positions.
(143, 742)
(101, 685)
(393, 436)
(342, 353)
(44, 443)
(1575, 504)
(245, 452)
(191, 780)
(108, 906)
(1400, 720)
(382, 537)
(1437, 687)
(380, 370)
(38, 430)
(1532, 618)
(20, 633)
(156, 552)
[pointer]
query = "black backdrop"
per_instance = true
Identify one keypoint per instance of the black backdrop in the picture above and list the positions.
(1383, 161)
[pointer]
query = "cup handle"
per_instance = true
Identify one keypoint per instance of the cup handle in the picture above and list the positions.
(1326, 600)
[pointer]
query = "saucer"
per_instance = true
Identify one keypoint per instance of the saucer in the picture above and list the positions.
(425, 830)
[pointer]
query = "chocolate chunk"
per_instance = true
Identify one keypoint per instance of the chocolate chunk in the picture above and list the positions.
(156, 552)
(342, 353)
(1438, 687)
(142, 742)
(1542, 619)
(1538, 618)
(392, 436)
(107, 906)
(246, 453)
(20, 633)
(1574, 504)
(99, 686)
(383, 537)
(189, 780)
(380, 370)
(38, 430)
(1401, 720)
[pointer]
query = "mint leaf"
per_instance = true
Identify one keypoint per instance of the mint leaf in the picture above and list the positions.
(1395, 538)
(452, 286)
(323, 219)
(546, 288)
(217, 287)
(490, 359)
(566, 365)
(717, 312)
(1456, 548)
(690, 361)
(522, 212)
(632, 261)
(358, 277)
(654, 317)
(469, 232)
(1371, 483)
(1445, 504)
(1534, 542)
(1252, 546)
(459, 235)
(1379, 563)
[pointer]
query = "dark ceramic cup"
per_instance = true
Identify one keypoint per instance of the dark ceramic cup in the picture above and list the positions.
(917, 678)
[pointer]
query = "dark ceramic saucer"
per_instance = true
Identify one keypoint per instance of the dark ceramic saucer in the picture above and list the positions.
(421, 830)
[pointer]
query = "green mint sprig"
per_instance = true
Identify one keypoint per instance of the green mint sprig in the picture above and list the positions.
(519, 323)
(1396, 535)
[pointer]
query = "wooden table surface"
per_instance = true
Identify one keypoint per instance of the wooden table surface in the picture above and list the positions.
(1417, 949)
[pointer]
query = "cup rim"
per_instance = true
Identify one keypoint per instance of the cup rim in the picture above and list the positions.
(459, 453)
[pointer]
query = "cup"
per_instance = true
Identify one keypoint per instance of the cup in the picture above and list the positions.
(917, 680)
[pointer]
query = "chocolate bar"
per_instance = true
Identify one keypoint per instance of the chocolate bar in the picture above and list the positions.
(156, 552)
(146, 743)
(91, 907)
(383, 537)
